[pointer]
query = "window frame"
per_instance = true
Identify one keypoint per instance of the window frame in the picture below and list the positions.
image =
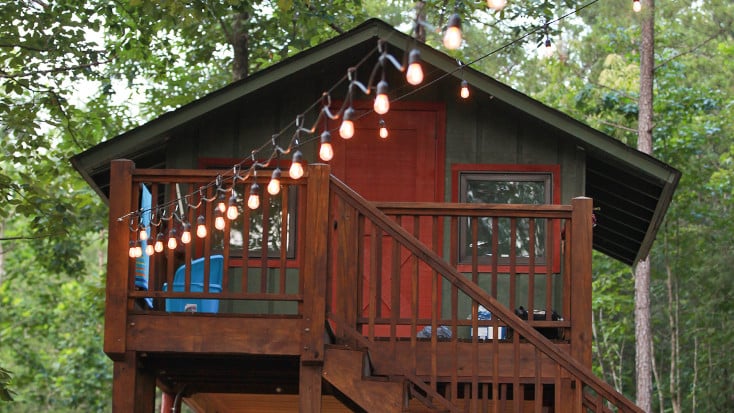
(551, 172)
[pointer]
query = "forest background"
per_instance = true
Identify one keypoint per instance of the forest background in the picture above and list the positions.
(76, 72)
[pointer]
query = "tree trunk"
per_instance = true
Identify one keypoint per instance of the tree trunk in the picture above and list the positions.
(643, 362)
(240, 41)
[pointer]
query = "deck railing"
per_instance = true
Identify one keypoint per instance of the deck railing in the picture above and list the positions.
(384, 248)
(319, 253)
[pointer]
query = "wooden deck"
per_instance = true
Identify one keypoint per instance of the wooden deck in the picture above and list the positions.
(322, 275)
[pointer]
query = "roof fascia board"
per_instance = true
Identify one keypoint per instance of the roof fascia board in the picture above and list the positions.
(666, 197)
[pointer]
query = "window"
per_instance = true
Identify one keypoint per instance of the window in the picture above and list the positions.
(506, 184)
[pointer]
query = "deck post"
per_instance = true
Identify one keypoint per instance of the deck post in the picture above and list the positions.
(116, 302)
(581, 244)
(314, 273)
(345, 297)
(133, 388)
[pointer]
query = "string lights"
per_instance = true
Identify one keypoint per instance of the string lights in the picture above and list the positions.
(636, 5)
(228, 208)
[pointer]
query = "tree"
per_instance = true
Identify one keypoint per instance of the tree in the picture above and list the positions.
(643, 349)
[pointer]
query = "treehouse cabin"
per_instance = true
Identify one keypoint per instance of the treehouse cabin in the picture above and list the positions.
(445, 267)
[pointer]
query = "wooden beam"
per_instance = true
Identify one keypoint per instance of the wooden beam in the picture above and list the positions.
(133, 387)
(581, 242)
(315, 264)
(117, 258)
(198, 333)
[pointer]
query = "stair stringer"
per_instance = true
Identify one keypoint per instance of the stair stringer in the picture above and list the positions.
(348, 370)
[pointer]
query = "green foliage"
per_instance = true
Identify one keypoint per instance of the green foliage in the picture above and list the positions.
(75, 73)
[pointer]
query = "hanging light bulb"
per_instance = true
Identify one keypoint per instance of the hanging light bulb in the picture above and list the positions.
(253, 201)
(326, 152)
(232, 211)
(382, 102)
(346, 130)
(452, 36)
(414, 74)
(131, 250)
(636, 5)
(186, 235)
(496, 5)
(158, 243)
(201, 227)
(464, 93)
(296, 171)
(383, 129)
(219, 220)
(172, 244)
(143, 235)
(149, 250)
(547, 48)
(274, 184)
(221, 204)
(138, 251)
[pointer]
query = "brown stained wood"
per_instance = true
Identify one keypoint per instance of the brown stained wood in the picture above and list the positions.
(315, 265)
(474, 209)
(343, 369)
(309, 388)
(117, 258)
(581, 232)
(347, 256)
(133, 388)
(465, 361)
(283, 236)
(264, 210)
(198, 333)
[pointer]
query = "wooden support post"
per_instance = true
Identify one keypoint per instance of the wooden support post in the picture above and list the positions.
(133, 388)
(121, 171)
(314, 273)
(347, 257)
(581, 244)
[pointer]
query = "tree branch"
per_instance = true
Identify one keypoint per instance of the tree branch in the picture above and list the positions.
(691, 50)
(6, 75)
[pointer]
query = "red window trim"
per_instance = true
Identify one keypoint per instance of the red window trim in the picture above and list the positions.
(555, 172)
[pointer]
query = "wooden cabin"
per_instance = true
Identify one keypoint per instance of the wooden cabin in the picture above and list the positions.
(446, 267)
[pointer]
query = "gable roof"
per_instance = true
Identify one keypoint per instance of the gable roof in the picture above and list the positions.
(632, 189)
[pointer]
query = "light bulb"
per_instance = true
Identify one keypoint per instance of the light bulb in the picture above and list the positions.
(219, 220)
(158, 243)
(149, 250)
(346, 130)
(383, 129)
(496, 5)
(296, 171)
(253, 201)
(382, 102)
(186, 235)
(232, 212)
(452, 36)
(221, 205)
(274, 184)
(548, 48)
(131, 250)
(326, 152)
(143, 234)
(636, 5)
(172, 244)
(464, 89)
(201, 227)
(138, 251)
(414, 74)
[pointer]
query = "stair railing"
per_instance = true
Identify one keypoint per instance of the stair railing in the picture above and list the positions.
(369, 250)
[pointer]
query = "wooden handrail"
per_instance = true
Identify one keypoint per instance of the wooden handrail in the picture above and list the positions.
(416, 247)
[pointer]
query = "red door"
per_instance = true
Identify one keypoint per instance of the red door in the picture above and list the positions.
(406, 166)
